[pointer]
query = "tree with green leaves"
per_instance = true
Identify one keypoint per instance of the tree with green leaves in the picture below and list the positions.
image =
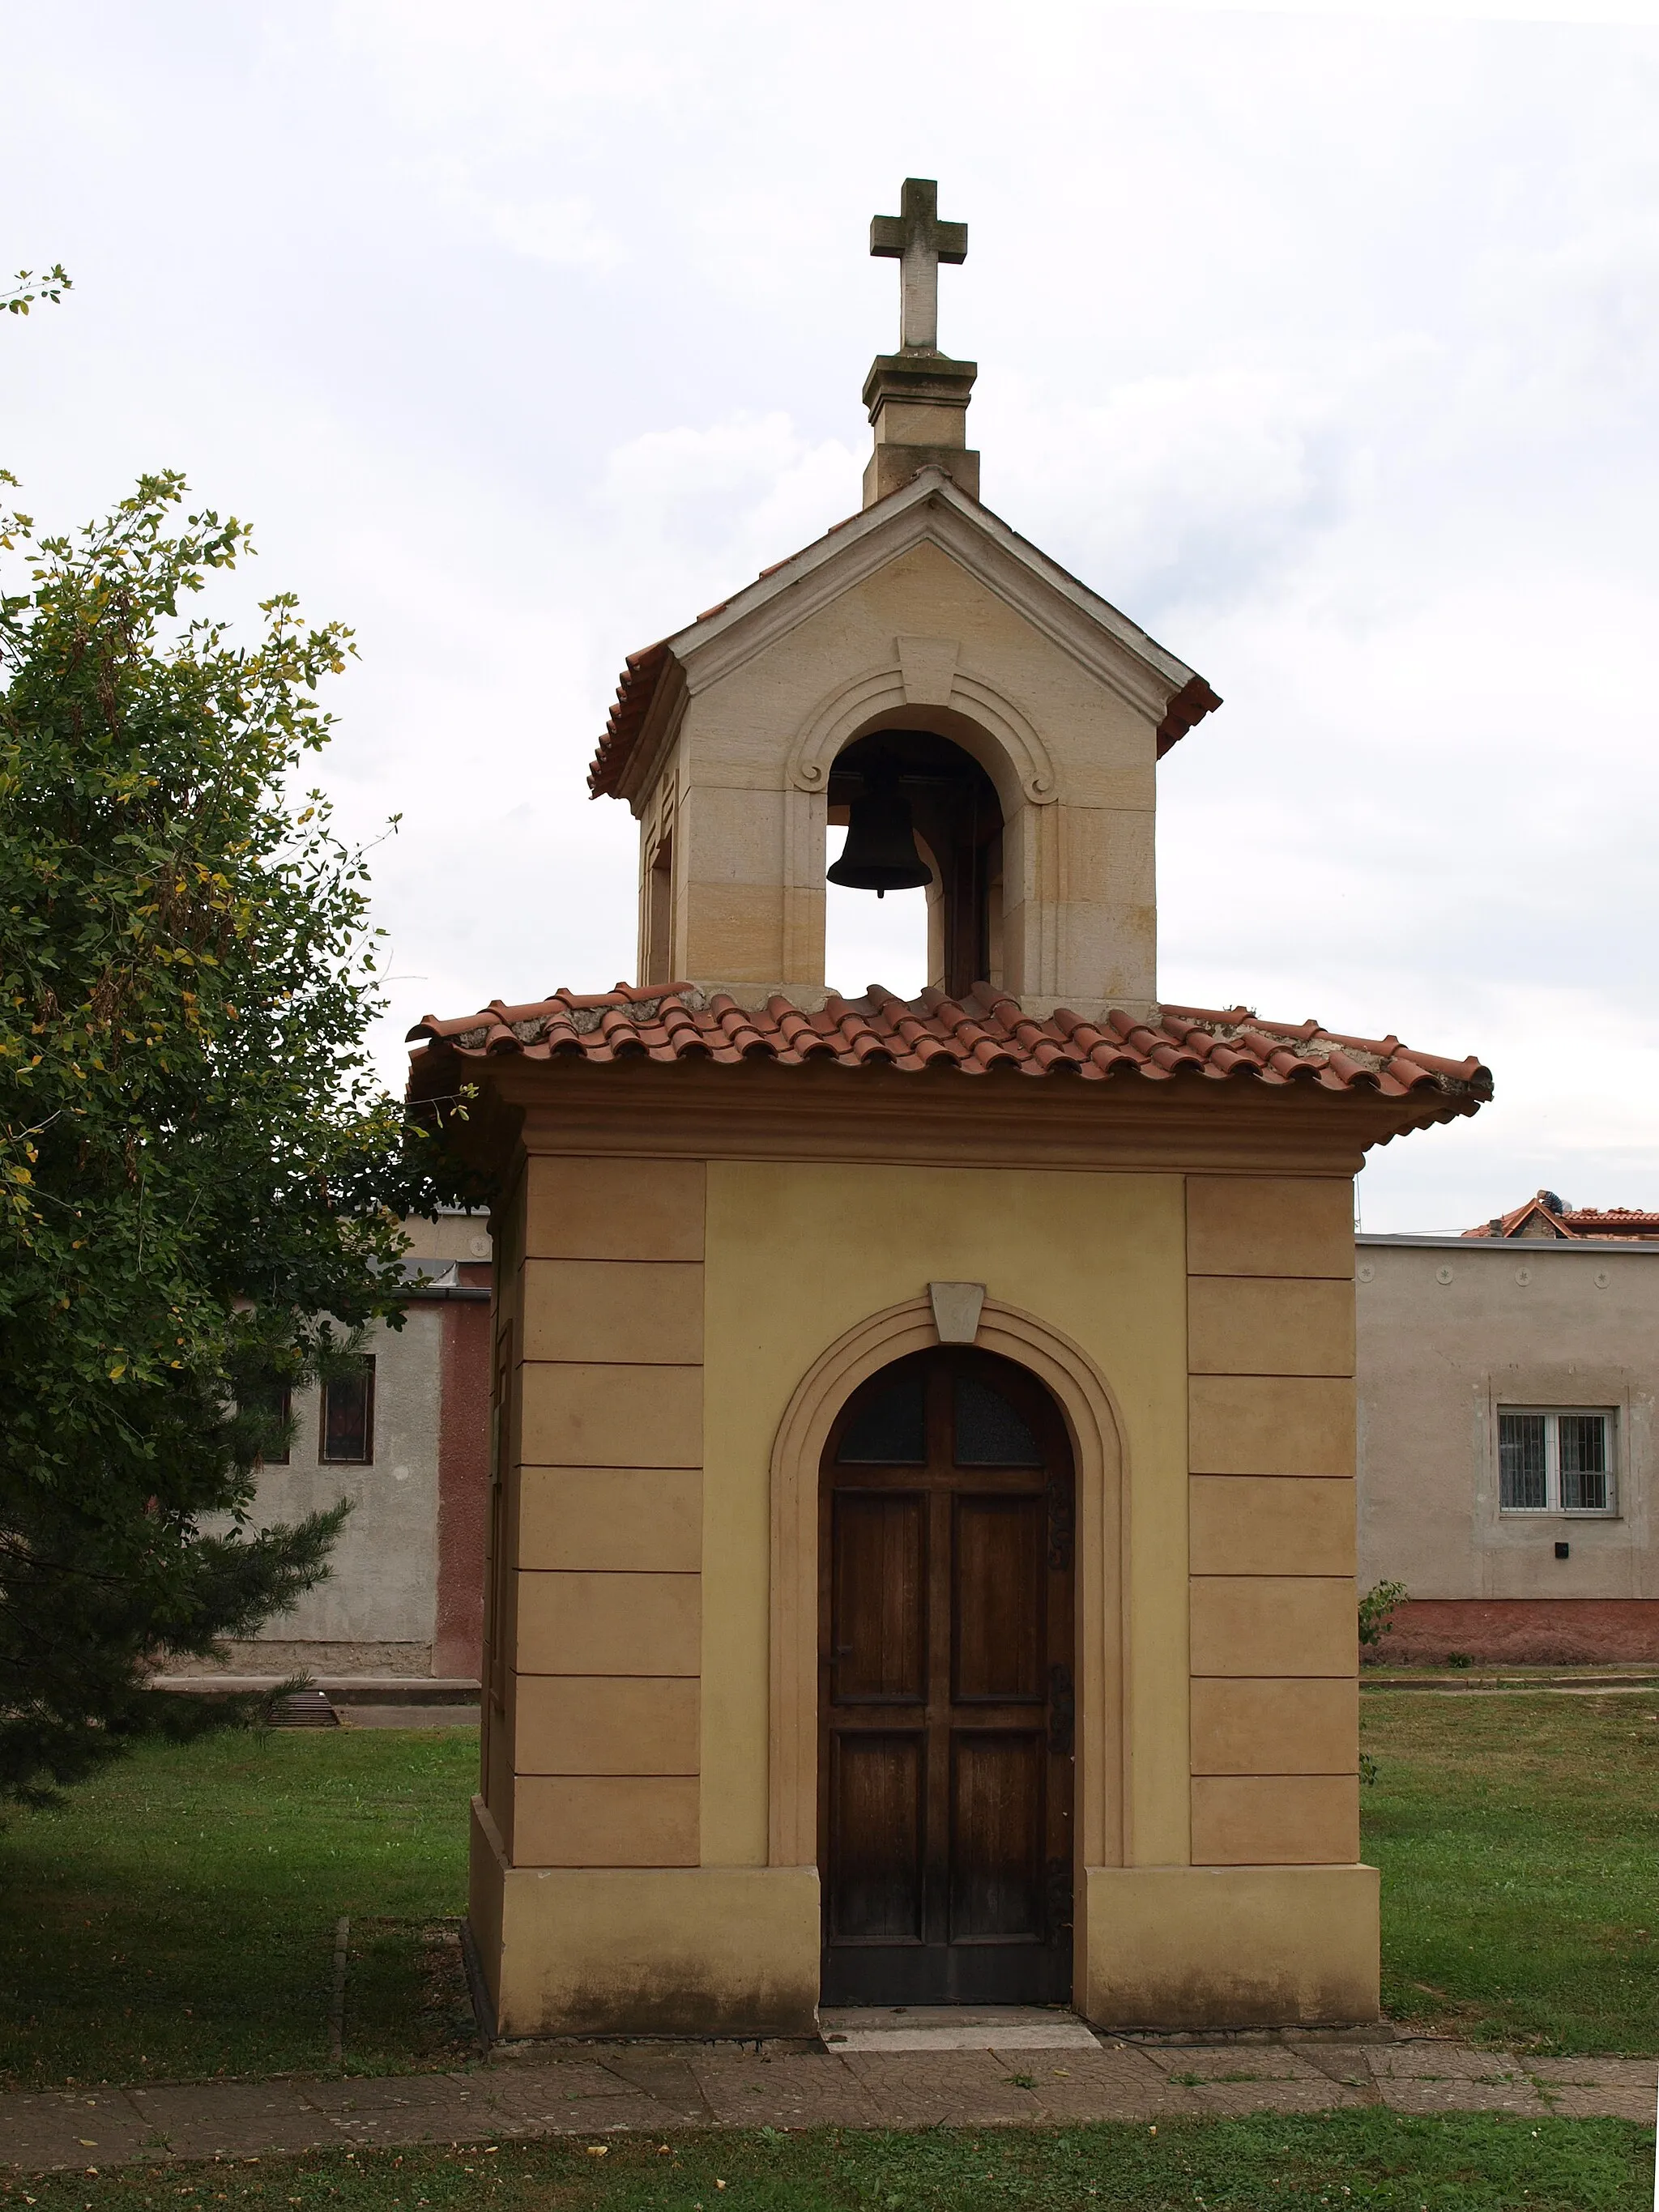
(201, 1181)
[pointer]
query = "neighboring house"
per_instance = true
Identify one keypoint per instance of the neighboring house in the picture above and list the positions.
(407, 1438)
(1506, 1384)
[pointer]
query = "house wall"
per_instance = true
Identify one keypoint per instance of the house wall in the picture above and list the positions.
(1448, 1331)
(404, 1596)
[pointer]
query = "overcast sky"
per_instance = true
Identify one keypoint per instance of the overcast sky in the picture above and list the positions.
(1327, 346)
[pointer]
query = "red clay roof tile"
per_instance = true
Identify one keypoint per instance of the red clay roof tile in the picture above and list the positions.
(1570, 1223)
(984, 1030)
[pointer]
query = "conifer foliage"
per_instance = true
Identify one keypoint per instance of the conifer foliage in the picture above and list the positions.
(200, 1178)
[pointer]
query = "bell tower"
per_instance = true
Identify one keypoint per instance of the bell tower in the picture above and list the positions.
(923, 666)
(921, 1517)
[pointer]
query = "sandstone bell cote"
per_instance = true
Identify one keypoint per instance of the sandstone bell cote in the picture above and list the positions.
(925, 660)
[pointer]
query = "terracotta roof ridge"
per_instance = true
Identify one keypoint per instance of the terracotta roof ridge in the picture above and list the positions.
(984, 1029)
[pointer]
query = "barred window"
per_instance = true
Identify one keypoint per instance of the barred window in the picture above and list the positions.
(1556, 1460)
(1522, 1460)
(348, 1438)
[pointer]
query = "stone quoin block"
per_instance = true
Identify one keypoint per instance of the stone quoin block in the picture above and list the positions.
(1269, 1225)
(1275, 1819)
(611, 1520)
(1270, 1524)
(1269, 1325)
(1271, 1626)
(575, 1624)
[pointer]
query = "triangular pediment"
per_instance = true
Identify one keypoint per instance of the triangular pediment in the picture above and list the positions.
(930, 510)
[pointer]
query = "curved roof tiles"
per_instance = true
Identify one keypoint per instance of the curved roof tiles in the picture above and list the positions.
(984, 1031)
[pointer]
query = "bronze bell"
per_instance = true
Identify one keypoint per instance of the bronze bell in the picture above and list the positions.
(880, 853)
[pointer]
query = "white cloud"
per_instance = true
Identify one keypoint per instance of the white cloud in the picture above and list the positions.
(1323, 345)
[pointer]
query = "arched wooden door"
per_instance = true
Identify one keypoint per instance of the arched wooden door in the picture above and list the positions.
(945, 1701)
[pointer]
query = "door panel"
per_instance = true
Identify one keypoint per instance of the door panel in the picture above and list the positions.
(997, 1602)
(946, 1621)
(996, 1854)
(875, 1894)
(880, 1545)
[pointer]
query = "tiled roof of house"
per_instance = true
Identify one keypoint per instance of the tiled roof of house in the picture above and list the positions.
(984, 1030)
(1547, 1215)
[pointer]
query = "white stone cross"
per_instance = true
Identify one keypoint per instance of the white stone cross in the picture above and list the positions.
(919, 241)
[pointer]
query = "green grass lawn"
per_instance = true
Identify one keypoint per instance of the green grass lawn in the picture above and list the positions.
(1518, 1838)
(177, 1917)
(1469, 2163)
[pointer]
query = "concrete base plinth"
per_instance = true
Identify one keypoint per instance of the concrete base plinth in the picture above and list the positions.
(1230, 1946)
(695, 1951)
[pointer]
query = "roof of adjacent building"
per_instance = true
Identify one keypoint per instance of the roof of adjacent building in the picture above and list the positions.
(1546, 1217)
(1189, 698)
(983, 1031)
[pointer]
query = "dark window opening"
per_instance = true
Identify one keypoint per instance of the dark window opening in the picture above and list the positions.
(990, 1432)
(273, 1400)
(891, 1429)
(659, 915)
(349, 1417)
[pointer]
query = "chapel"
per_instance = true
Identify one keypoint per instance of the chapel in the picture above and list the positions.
(921, 1531)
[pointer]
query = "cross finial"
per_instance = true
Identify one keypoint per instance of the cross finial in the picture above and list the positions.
(919, 241)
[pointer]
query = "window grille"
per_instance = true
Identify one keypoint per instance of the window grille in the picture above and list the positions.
(1556, 1461)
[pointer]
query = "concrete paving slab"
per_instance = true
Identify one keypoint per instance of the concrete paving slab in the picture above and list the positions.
(1604, 2103)
(954, 2027)
(1448, 2077)
(1234, 2099)
(663, 2073)
(65, 2129)
(1637, 2074)
(628, 2113)
(955, 2088)
(573, 2096)
(233, 2119)
(1442, 2062)
(652, 2089)
(538, 2089)
(1102, 2085)
(411, 2108)
(1033, 2035)
(804, 2092)
(1233, 2062)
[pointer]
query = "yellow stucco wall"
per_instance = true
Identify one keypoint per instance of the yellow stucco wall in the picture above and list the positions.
(795, 1256)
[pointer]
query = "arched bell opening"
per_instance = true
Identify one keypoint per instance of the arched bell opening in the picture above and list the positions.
(920, 810)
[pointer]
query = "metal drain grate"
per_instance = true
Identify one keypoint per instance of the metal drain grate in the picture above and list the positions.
(306, 1709)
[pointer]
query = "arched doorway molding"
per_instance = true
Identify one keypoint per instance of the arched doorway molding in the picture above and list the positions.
(1086, 1400)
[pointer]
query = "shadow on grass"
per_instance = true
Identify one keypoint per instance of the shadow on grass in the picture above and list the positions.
(176, 1920)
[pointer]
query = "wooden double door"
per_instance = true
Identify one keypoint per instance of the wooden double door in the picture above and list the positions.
(945, 1696)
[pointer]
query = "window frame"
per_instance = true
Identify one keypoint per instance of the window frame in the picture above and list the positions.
(324, 1457)
(282, 1391)
(1552, 1509)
